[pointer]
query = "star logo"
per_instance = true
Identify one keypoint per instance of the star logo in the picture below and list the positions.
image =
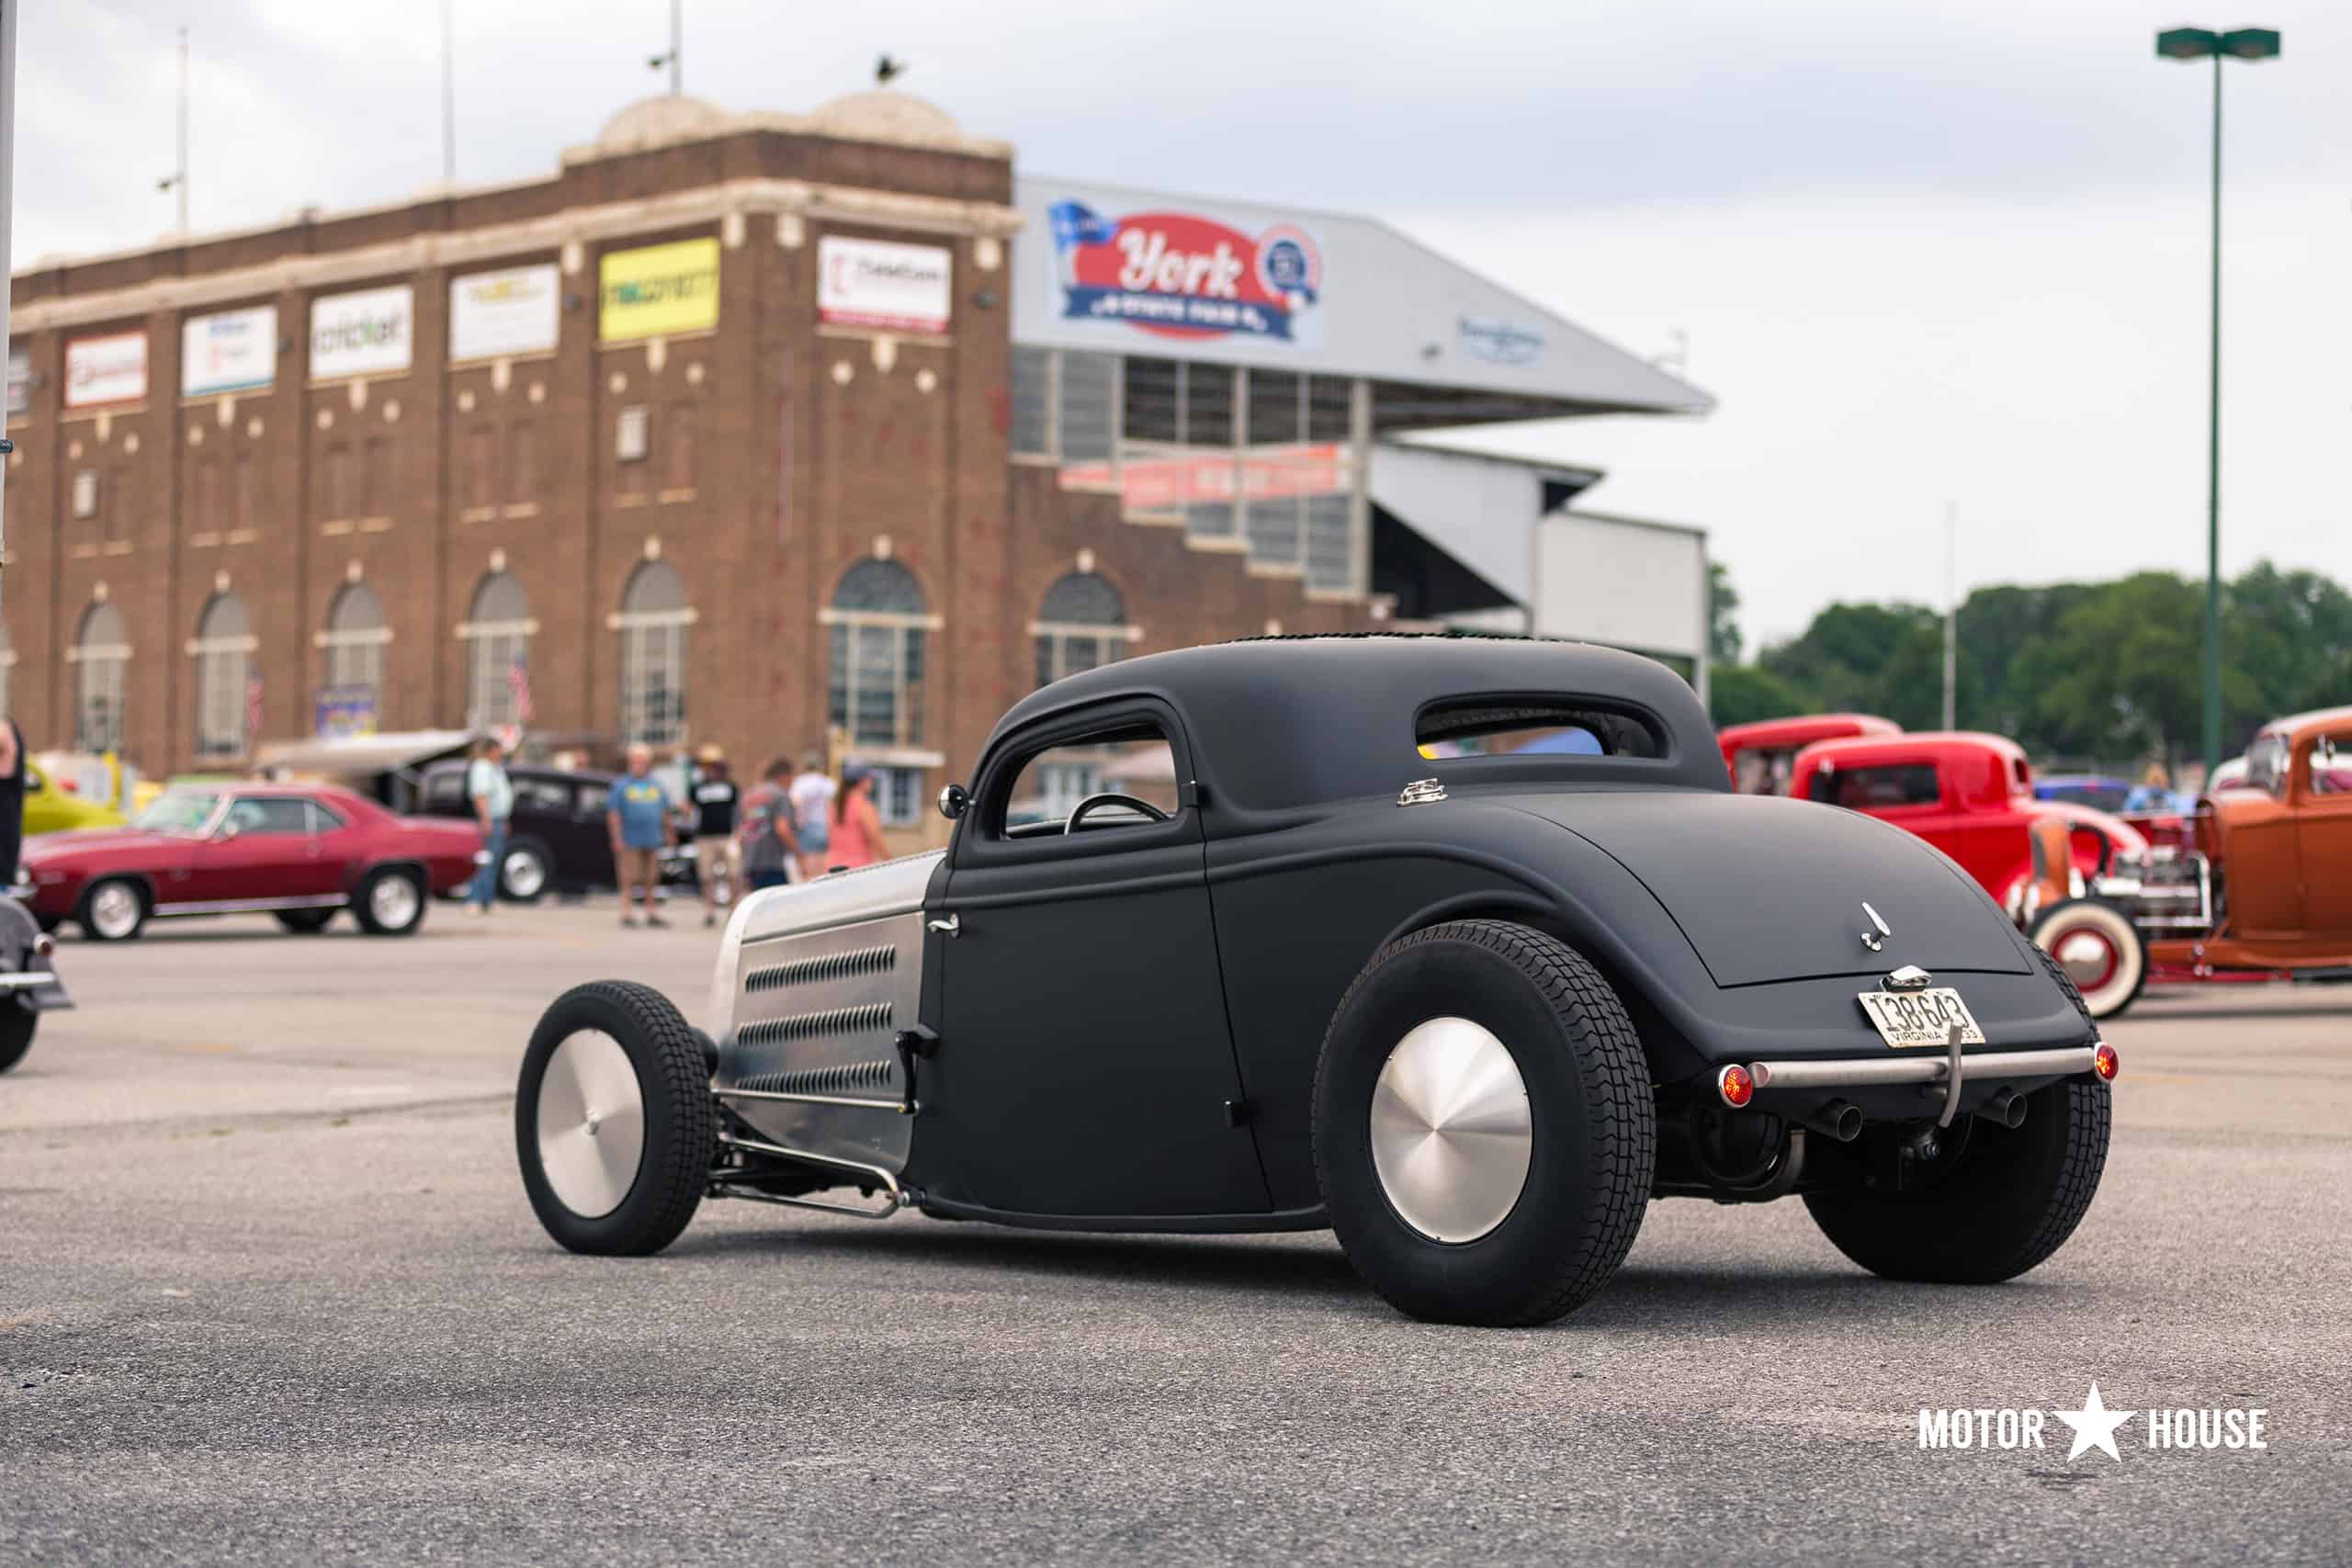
(2093, 1425)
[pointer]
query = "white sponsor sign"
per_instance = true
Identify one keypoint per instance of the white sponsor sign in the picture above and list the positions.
(234, 351)
(366, 334)
(20, 380)
(873, 283)
(110, 370)
(509, 311)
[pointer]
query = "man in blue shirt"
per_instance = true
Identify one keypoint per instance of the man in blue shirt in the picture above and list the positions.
(640, 819)
(491, 795)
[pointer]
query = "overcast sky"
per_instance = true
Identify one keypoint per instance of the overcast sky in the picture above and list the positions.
(1923, 251)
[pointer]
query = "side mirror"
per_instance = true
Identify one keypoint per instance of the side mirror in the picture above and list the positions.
(954, 801)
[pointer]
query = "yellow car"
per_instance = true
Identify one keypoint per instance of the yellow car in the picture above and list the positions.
(49, 809)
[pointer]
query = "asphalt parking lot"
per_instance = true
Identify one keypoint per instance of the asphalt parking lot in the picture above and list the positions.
(269, 1289)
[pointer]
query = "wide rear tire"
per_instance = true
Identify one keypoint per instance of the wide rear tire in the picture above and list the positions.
(2010, 1199)
(613, 1125)
(1485, 1133)
(16, 1026)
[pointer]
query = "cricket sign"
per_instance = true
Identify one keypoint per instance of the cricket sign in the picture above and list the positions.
(1184, 275)
(658, 291)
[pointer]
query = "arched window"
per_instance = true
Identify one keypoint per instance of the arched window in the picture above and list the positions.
(1081, 624)
(652, 623)
(497, 631)
(101, 649)
(878, 622)
(223, 650)
(354, 641)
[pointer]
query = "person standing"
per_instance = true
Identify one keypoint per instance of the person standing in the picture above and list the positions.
(492, 795)
(641, 826)
(12, 800)
(812, 811)
(858, 822)
(770, 844)
(717, 809)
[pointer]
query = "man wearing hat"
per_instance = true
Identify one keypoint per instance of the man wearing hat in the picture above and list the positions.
(717, 805)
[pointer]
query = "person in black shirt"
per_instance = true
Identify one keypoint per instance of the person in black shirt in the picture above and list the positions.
(12, 799)
(717, 805)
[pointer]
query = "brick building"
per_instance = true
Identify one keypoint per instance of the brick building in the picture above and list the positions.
(720, 432)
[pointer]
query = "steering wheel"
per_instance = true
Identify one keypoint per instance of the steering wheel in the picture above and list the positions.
(1129, 801)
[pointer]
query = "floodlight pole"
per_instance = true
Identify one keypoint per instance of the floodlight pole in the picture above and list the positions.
(8, 197)
(2213, 464)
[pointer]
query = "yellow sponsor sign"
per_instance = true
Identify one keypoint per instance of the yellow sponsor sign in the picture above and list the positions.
(658, 291)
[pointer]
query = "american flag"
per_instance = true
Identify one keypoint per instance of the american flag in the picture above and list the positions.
(252, 707)
(518, 686)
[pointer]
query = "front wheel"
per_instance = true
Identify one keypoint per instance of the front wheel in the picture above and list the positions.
(523, 871)
(16, 1026)
(613, 1120)
(2100, 950)
(1996, 1203)
(1484, 1129)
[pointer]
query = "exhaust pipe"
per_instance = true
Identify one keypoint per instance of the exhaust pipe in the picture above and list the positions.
(2006, 1109)
(1839, 1119)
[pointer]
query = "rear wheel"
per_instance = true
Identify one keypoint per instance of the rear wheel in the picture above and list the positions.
(114, 910)
(2100, 950)
(1484, 1129)
(16, 1025)
(305, 922)
(391, 902)
(523, 872)
(613, 1120)
(2006, 1198)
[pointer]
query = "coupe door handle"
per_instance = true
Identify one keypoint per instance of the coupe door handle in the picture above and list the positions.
(951, 926)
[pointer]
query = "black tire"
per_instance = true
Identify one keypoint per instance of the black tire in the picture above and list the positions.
(681, 1134)
(525, 871)
(2114, 965)
(16, 1026)
(381, 911)
(305, 922)
(1592, 1122)
(96, 912)
(2011, 1199)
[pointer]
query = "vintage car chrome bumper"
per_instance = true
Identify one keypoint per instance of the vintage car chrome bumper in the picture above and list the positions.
(28, 980)
(1862, 1072)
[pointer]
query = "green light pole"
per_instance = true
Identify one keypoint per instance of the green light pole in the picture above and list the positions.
(2195, 43)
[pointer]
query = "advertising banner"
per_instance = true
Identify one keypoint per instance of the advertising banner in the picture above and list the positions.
(658, 291)
(20, 380)
(110, 370)
(234, 351)
(1165, 484)
(873, 283)
(371, 332)
(1184, 275)
(346, 711)
(509, 311)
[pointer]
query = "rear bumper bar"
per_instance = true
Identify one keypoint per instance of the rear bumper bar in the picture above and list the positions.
(1849, 1072)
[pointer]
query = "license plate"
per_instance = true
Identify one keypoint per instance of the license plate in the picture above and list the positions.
(1920, 1018)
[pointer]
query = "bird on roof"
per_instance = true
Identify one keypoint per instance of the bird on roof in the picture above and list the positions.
(886, 67)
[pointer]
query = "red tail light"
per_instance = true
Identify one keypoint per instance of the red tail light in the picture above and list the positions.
(2106, 1064)
(1736, 1086)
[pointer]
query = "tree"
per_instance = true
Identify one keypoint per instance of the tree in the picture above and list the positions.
(1742, 694)
(1722, 615)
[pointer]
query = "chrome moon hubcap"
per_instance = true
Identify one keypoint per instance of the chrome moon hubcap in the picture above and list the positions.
(524, 875)
(2087, 957)
(393, 901)
(1452, 1134)
(592, 1123)
(114, 909)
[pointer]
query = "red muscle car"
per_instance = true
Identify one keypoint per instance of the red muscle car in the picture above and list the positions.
(299, 851)
(1969, 794)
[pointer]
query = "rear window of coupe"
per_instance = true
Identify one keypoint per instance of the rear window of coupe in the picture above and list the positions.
(1502, 726)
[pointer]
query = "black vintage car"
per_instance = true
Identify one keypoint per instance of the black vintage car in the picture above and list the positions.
(557, 838)
(1463, 948)
(28, 982)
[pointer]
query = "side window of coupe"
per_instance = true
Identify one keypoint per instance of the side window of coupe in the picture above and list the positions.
(270, 814)
(593, 799)
(542, 797)
(1895, 785)
(1134, 763)
(2332, 765)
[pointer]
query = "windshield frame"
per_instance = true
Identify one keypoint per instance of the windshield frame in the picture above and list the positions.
(204, 827)
(2269, 763)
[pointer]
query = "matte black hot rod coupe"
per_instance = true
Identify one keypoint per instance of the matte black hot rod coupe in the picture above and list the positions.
(1463, 948)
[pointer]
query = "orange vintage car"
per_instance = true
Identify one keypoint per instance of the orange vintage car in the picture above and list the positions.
(2263, 891)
